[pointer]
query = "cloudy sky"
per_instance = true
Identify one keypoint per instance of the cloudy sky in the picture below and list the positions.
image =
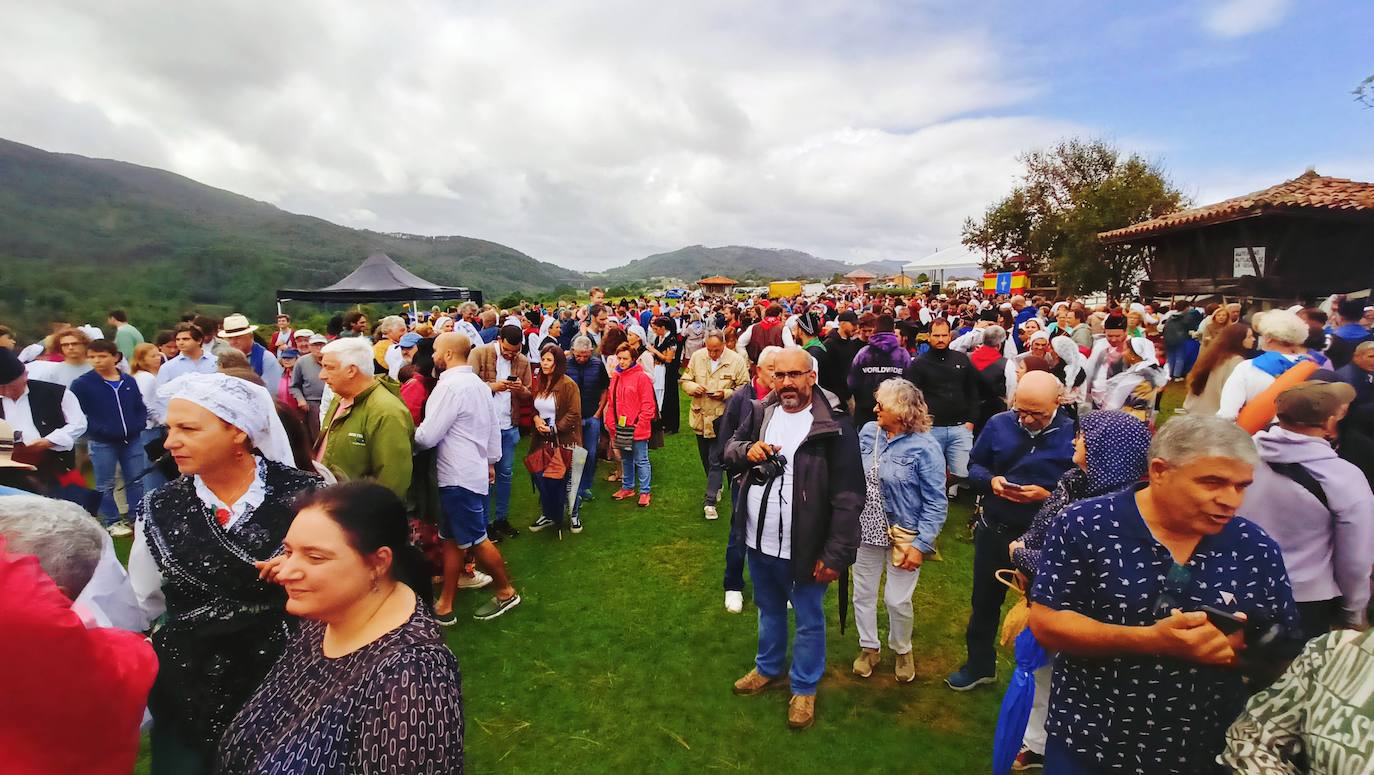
(591, 133)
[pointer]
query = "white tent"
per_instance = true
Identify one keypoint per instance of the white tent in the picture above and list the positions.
(947, 264)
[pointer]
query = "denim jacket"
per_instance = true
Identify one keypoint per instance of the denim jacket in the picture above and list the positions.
(911, 473)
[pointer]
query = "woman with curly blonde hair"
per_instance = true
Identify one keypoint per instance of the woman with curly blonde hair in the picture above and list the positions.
(904, 508)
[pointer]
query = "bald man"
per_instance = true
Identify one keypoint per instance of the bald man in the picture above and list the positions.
(460, 420)
(1015, 463)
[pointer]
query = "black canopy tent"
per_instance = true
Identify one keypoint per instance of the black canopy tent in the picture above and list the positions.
(379, 278)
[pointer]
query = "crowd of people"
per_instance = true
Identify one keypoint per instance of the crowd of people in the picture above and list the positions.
(305, 506)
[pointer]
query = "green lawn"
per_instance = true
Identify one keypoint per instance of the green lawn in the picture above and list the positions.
(621, 657)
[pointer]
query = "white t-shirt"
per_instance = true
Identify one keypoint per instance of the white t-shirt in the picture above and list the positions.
(786, 430)
(502, 400)
(545, 406)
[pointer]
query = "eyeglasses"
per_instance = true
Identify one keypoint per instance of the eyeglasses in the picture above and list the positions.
(783, 376)
(1175, 584)
(1030, 413)
(877, 408)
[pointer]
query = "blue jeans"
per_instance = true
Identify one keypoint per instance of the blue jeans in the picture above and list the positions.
(773, 587)
(957, 442)
(734, 551)
(591, 435)
(132, 462)
(500, 491)
(635, 461)
(553, 495)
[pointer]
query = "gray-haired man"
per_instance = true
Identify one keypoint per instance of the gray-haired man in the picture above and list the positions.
(1138, 591)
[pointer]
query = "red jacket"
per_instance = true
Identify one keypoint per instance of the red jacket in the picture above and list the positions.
(631, 394)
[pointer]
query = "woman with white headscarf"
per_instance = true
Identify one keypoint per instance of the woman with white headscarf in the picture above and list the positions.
(1070, 367)
(196, 540)
(1133, 389)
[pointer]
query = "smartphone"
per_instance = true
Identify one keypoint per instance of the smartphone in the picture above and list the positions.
(1011, 486)
(512, 378)
(1225, 621)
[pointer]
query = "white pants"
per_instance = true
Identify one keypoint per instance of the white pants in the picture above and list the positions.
(901, 584)
(1040, 710)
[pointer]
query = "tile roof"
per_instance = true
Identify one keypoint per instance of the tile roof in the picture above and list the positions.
(861, 274)
(1308, 191)
(717, 280)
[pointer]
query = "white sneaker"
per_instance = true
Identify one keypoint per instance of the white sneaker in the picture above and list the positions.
(734, 601)
(477, 580)
(119, 530)
(710, 512)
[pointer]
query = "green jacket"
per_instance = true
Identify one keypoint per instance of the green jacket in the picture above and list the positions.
(371, 439)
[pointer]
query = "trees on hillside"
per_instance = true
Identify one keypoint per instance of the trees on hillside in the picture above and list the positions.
(1066, 195)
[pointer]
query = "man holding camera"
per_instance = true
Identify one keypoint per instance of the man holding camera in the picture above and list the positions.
(1153, 597)
(798, 515)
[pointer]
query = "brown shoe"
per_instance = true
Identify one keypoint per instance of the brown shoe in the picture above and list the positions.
(865, 662)
(753, 682)
(906, 668)
(801, 711)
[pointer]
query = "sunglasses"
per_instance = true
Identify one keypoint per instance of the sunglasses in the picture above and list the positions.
(1175, 584)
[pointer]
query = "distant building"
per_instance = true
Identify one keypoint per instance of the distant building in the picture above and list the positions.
(718, 285)
(1303, 239)
(861, 277)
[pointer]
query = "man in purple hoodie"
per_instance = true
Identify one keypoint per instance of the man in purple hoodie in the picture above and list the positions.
(1317, 507)
(881, 359)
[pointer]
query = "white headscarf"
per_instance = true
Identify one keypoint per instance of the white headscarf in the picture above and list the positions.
(638, 330)
(240, 403)
(1067, 351)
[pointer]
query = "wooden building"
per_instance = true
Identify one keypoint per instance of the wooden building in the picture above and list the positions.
(861, 277)
(718, 285)
(1301, 240)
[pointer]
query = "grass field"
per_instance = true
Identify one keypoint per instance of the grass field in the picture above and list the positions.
(621, 657)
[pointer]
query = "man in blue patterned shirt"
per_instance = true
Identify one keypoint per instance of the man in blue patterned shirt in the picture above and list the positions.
(1144, 681)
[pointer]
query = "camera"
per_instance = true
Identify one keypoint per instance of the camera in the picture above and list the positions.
(768, 469)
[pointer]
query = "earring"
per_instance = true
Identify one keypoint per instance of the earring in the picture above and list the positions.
(376, 585)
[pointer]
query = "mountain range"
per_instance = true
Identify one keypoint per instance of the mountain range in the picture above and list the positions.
(80, 236)
(741, 262)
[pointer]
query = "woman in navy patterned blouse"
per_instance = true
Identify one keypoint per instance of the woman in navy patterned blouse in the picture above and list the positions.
(367, 686)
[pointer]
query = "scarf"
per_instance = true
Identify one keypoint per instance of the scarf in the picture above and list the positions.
(1275, 364)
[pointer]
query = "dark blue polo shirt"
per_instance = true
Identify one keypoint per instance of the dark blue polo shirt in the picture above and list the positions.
(1137, 713)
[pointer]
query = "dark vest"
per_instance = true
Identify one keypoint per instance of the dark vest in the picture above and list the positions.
(763, 337)
(45, 404)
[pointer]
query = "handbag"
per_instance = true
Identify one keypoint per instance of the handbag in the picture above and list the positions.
(624, 431)
(900, 537)
(549, 460)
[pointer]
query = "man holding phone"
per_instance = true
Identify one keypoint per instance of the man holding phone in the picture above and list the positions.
(1138, 591)
(1016, 461)
(507, 373)
(712, 375)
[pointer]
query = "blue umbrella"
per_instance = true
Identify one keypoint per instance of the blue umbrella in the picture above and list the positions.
(1016, 704)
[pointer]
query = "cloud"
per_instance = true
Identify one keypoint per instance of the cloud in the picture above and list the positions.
(584, 134)
(1238, 18)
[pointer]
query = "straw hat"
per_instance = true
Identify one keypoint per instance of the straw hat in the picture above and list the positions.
(236, 325)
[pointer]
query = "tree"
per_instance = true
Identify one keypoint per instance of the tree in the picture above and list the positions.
(923, 278)
(1067, 195)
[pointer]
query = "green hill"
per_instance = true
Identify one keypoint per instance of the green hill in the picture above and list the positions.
(741, 263)
(79, 236)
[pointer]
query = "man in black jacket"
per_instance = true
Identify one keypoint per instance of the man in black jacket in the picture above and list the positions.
(950, 384)
(799, 515)
(843, 344)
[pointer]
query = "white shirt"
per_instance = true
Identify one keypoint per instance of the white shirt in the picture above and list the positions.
(501, 400)
(546, 407)
(469, 330)
(1246, 382)
(56, 372)
(20, 418)
(786, 430)
(147, 386)
(395, 359)
(460, 419)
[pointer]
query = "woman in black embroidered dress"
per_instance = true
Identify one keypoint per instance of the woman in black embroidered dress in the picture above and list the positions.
(367, 685)
(196, 542)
